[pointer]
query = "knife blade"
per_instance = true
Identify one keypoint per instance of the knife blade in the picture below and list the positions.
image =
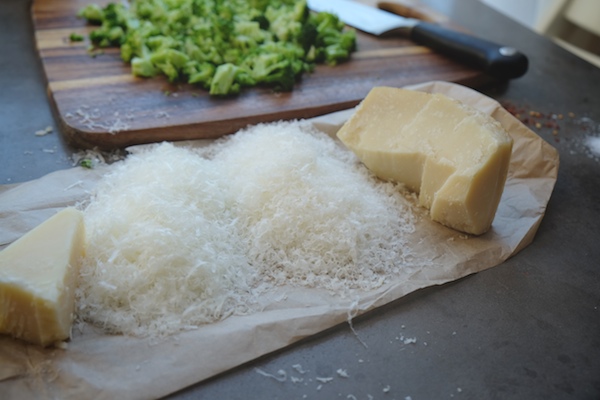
(498, 61)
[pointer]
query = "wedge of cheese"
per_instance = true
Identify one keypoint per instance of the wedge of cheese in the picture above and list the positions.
(453, 155)
(38, 276)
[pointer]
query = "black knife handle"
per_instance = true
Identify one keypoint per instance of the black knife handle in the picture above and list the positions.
(501, 62)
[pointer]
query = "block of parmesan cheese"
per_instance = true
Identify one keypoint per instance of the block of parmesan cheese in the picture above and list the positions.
(38, 275)
(454, 156)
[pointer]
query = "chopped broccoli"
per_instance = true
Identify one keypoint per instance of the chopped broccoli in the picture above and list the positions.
(308, 35)
(75, 37)
(221, 45)
(143, 67)
(92, 13)
(169, 61)
(87, 163)
(113, 23)
(200, 73)
(223, 82)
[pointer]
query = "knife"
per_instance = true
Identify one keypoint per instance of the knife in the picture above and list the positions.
(502, 62)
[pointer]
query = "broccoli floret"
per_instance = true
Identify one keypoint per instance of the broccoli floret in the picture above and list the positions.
(160, 42)
(169, 61)
(221, 45)
(284, 21)
(332, 44)
(272, 69)
(115, 15)
(87, 163)
(308, 35)
(263, 22)
(300, 11)
(281, 77)
(260, 5)
(245, 77)
(92, 13)
(339, 51)
(135, 41)
(113, 19)
(143, 67)
(223, 82)
(248, 35)
(107, 36)
(200, 73)
(75, 37)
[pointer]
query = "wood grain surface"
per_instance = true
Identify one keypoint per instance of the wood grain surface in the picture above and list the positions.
(100, 104)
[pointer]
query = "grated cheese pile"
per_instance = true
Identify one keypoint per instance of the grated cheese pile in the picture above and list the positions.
(178, 237)
(310, 215)
(162, 252)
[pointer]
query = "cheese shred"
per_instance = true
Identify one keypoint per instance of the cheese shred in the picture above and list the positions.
(180, 237)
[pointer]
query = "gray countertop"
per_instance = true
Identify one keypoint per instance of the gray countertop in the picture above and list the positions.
(527, 329)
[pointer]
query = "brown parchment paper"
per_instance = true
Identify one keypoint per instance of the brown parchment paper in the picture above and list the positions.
(100, 366)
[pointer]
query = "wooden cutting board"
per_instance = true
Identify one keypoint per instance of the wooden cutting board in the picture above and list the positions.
(100, 104)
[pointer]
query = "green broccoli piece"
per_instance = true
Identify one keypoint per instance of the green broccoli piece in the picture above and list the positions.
(223, 82)
(281, 76)
(200, 73)
(115, 15)
(113, 24)
(285, 20)
(75, 37)
(107, 36)
(143, 67)
(339, 51)
(169, 61)
(87, 163)
(308, 35)
(332, 44)
(272, 69)
(263, 22)
(92, 13)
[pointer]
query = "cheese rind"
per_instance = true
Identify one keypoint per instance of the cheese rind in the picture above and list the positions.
(38, 277)
(454, 156)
